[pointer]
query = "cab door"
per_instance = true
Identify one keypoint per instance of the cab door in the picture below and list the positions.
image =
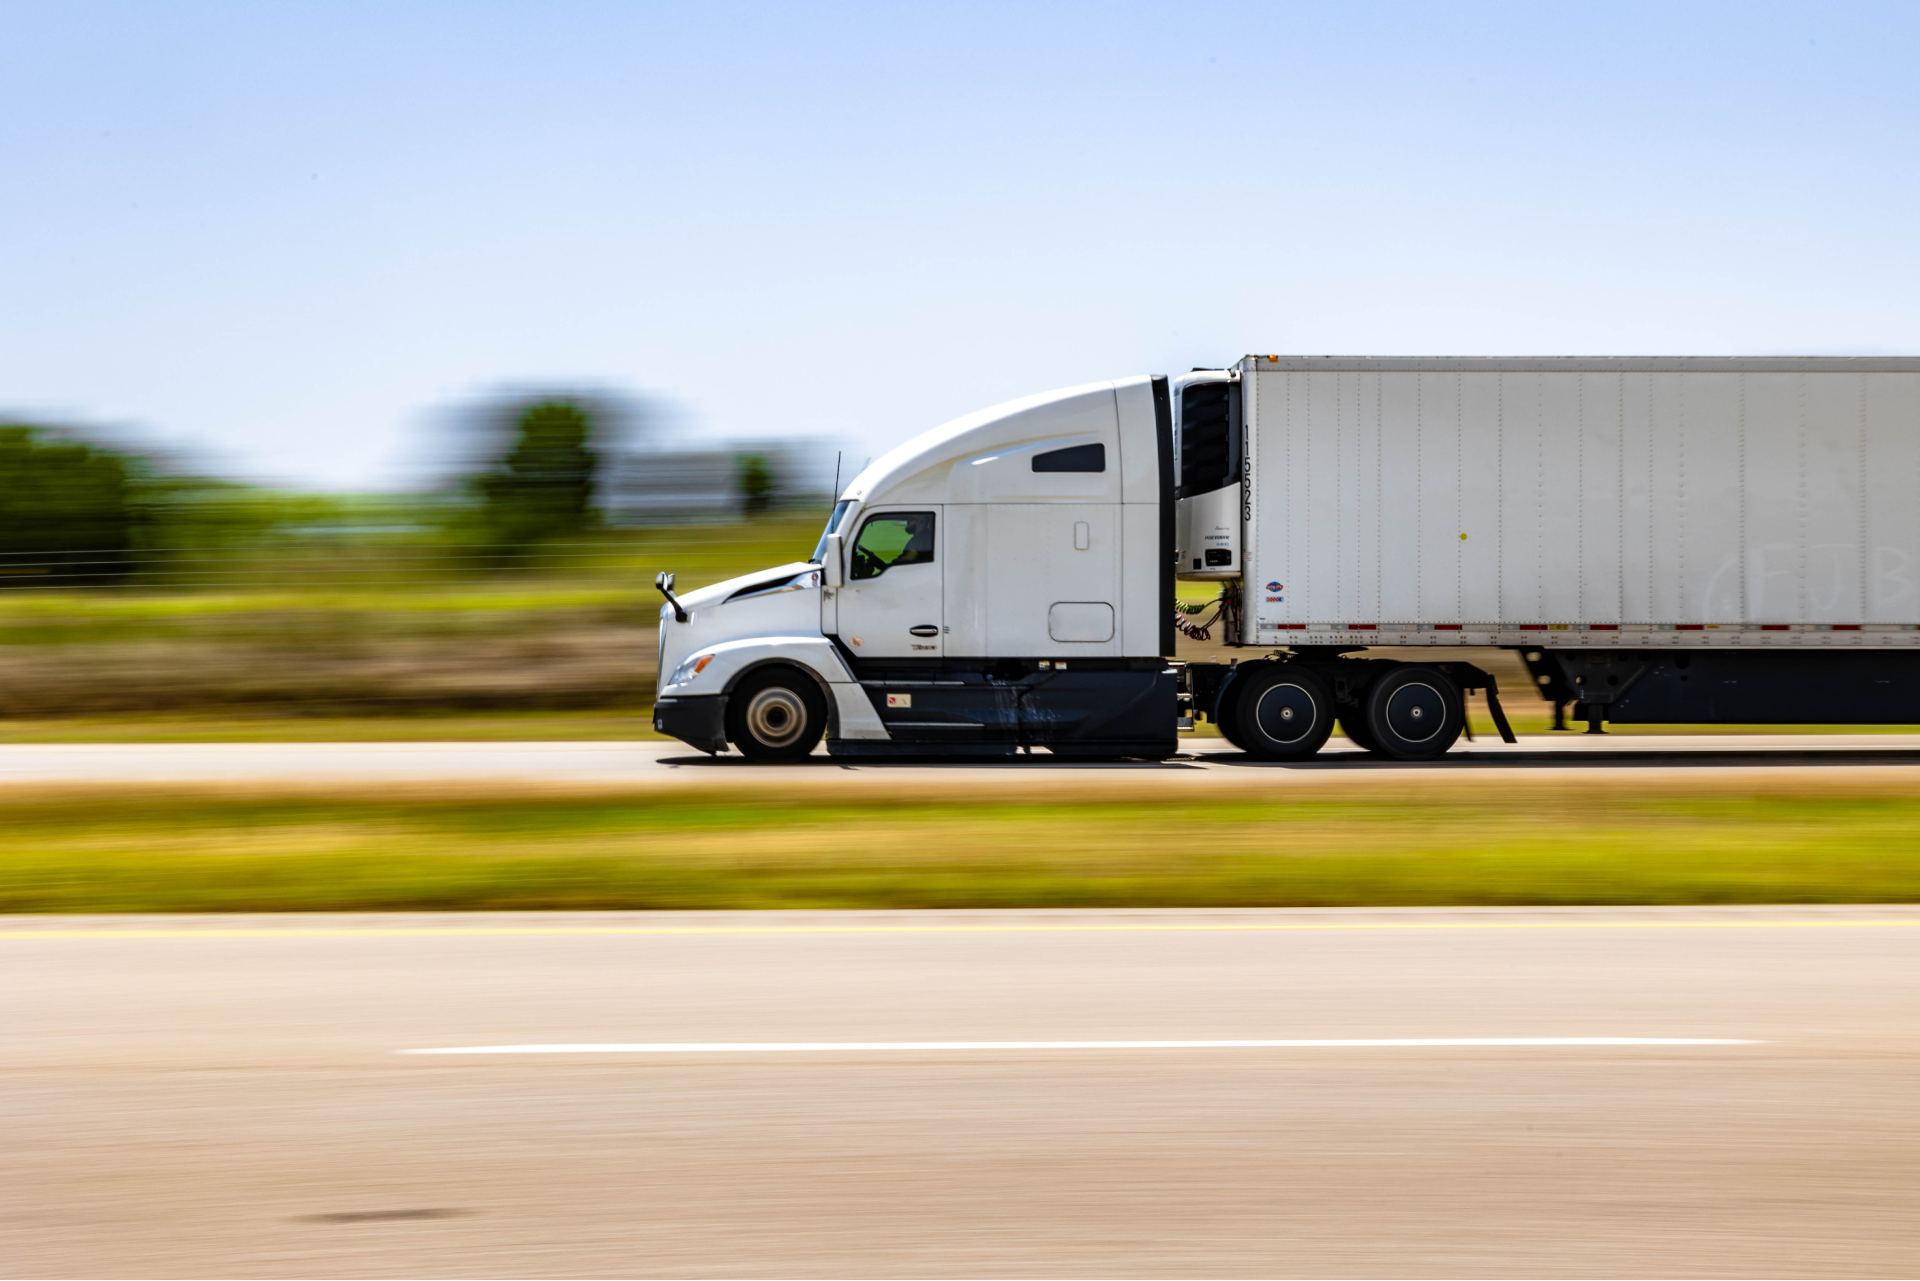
(890, 602)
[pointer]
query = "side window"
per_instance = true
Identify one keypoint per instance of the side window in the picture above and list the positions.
(895, 538)
(1072, 458)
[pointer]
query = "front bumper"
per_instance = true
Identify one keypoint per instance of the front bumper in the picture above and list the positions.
(700, 720)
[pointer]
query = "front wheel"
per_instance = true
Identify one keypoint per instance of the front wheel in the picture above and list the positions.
(776, 715)
(1283, 714)
(1414, 713)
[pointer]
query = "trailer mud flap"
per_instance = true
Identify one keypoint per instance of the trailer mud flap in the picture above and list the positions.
(1499, 716)
(1471, 678)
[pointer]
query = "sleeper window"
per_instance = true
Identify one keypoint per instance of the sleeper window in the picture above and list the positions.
(1072, 458)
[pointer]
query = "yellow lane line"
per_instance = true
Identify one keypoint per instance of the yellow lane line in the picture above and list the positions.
(509, 931)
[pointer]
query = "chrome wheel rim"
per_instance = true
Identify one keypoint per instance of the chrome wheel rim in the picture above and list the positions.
(776, 717)
(1285, 713)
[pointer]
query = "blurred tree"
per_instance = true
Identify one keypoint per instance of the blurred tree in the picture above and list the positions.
(754, 479)
(68, 516)
(542, 487)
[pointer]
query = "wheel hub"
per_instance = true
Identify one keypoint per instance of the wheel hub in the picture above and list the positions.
(1285, 713)
(1415, 712)
(775, 717)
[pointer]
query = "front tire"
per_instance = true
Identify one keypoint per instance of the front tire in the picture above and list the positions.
(1283, 714)
(1414, 713)
(775, 716)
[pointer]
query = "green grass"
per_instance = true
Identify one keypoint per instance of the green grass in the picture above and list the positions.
(330, 643)
(612, 570)
(1128, 844)
(597, 725)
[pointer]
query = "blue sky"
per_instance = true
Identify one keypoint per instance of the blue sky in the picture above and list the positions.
(289, 236)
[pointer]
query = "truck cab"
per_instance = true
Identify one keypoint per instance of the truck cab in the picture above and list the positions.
(1000, 582)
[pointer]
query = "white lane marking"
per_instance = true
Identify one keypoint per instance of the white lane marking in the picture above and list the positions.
(831, 1047)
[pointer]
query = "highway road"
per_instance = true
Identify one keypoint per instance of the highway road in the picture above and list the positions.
(1208, 760)
(1685, 1092)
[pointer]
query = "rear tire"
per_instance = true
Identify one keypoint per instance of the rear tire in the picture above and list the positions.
(1414, 713)
(1226, 711)
(776, 715)
(1283, 713)
(1354, 725)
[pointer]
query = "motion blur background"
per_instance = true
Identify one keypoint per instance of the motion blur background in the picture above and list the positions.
(362, 362)
(369, 359)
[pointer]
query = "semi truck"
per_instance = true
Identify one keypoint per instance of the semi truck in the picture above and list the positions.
(1665, 539)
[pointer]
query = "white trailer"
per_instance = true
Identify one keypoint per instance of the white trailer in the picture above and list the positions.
(1698, 540)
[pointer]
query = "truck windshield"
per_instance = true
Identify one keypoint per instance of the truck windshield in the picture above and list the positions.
(833, 527)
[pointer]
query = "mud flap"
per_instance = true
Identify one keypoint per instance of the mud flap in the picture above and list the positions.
(1471, 678)
(1499, 716)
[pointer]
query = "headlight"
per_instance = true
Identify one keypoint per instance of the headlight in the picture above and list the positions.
(690, 669)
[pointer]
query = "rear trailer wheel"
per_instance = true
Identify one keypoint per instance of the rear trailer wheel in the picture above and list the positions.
(1414, 713)
(776, 715)
(1284, 713)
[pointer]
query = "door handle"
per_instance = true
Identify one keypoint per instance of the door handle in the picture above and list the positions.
(924, 629)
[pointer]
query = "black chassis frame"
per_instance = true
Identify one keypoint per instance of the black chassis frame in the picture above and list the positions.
(1207, 686)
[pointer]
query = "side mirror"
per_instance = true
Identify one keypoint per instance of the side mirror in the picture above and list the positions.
(831, 562)
(663, 583)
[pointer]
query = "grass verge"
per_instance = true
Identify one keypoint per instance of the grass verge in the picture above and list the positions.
(1124, 844)
(595, 725)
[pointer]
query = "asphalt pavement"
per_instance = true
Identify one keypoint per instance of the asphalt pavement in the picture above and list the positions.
(1209, 760)
(1468, 1092)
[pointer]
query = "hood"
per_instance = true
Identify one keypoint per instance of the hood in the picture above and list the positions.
(720, 593)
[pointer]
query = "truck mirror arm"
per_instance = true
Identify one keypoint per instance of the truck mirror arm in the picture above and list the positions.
(664, 581)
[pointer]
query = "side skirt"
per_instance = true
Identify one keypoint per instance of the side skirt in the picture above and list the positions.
(1124, 706)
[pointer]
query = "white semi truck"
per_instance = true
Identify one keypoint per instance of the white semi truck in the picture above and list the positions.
(1662, 539)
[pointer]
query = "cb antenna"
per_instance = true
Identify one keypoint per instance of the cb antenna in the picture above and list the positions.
(834, 497)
